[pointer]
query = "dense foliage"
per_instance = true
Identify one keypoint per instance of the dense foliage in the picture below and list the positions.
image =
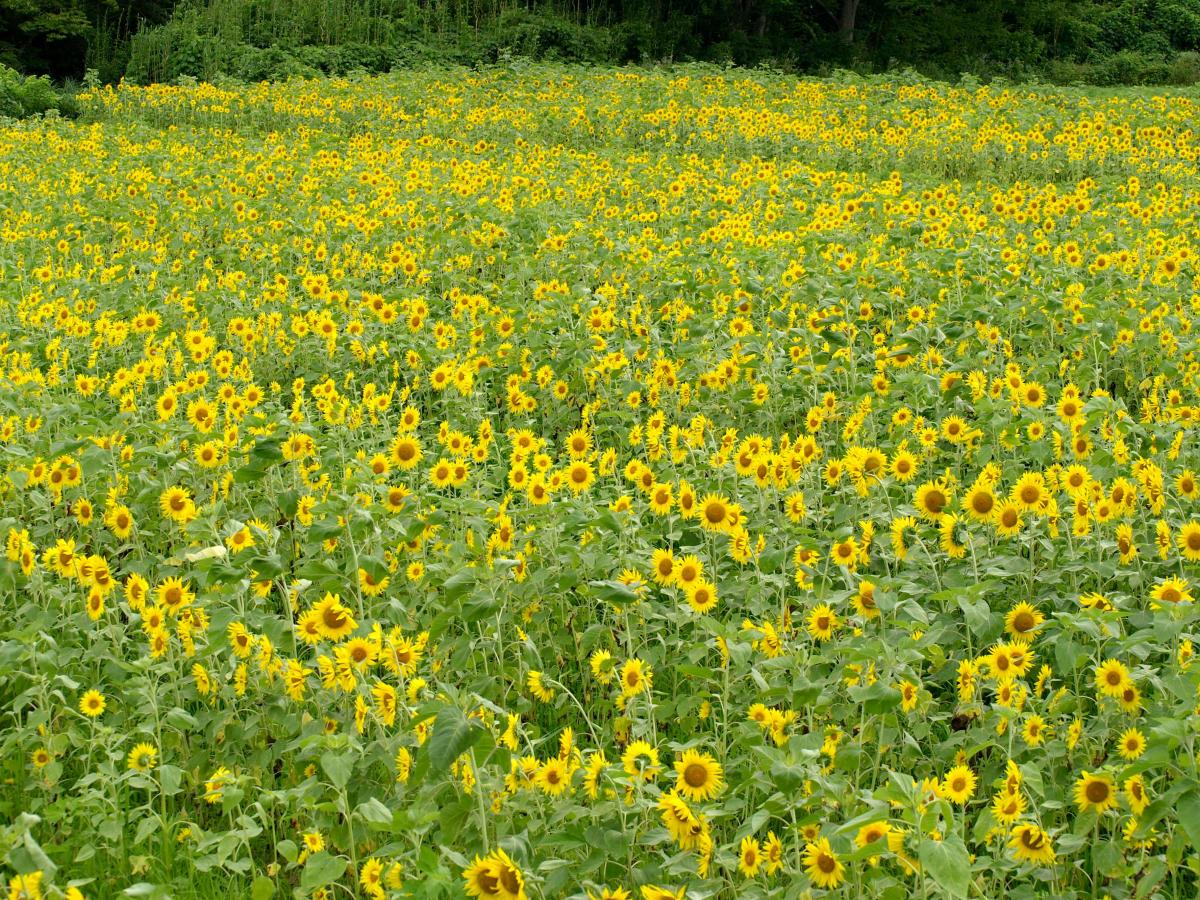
(1098, 41)
(549, 482)
(22, 96)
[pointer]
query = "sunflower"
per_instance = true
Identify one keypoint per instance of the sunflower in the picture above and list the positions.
(980, 503)
(579, 443)
(441, 474)
(701, 596)
(359, 652)
(822, 865)
(1095, 792)
(554, 777)
(120, 521)
(369, 585)
(1022, 620)
(661, 499)
(536, 684)
(679, 820)
(406, 452)
(1135, 794)
(749, 857)
(333, 619)
(176, 504)
(795, 507)
(214, 787)
(1125, 545)
(864, 600)
(92, 704)
(640, 761)
(1075, 480)
(1007, 808)
(958, 785)
(1030, 491)
(699, 776)
(142, 757)
(580, 476)
(872, 832)
(1131, 698)
(308, 627)
(822, 622)
(714, 512)
(1187, 484)
(1111, 678)
(173, 595)
(1034, 731)
(1131, 744)
(1007, 521)
(904, 466)
(636, 678)
(952, 536)
(1172, 590)
(495, 876)
(689, 506)
(845, 553)
(1188, 541)
(1029, 843)
(663, 568)
(602, 665)
(932, 499)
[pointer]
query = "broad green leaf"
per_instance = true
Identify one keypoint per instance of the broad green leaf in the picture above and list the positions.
(947, 864)
(453, 734)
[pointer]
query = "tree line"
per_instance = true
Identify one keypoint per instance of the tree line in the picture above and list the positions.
(1100, 41)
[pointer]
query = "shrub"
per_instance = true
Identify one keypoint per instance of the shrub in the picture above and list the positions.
(21, 96)
(1185, 69)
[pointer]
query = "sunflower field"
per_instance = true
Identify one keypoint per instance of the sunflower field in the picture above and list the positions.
(540, 482)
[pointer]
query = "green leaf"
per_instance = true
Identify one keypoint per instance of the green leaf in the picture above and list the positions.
(457, 585)
(1188, 810)
(262, 889)
(338, 766)
(948, 864)
(1154, 873)
(321, 869)
(143, 889)
(267, 567)
(375, 814)
(169, 778)
(453, 734)
(288, 850)
(38, 855)
(613, 591)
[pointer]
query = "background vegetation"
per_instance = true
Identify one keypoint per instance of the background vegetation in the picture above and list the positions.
(1091, 41)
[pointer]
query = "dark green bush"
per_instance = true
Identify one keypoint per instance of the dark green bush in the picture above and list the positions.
(21, 96)
(1185, 69)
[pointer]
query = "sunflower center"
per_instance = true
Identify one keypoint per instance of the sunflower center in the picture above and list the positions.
(510, 879)
(696, 775)
(1097, 791)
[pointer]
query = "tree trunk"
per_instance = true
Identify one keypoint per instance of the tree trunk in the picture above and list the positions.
(846, 21)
